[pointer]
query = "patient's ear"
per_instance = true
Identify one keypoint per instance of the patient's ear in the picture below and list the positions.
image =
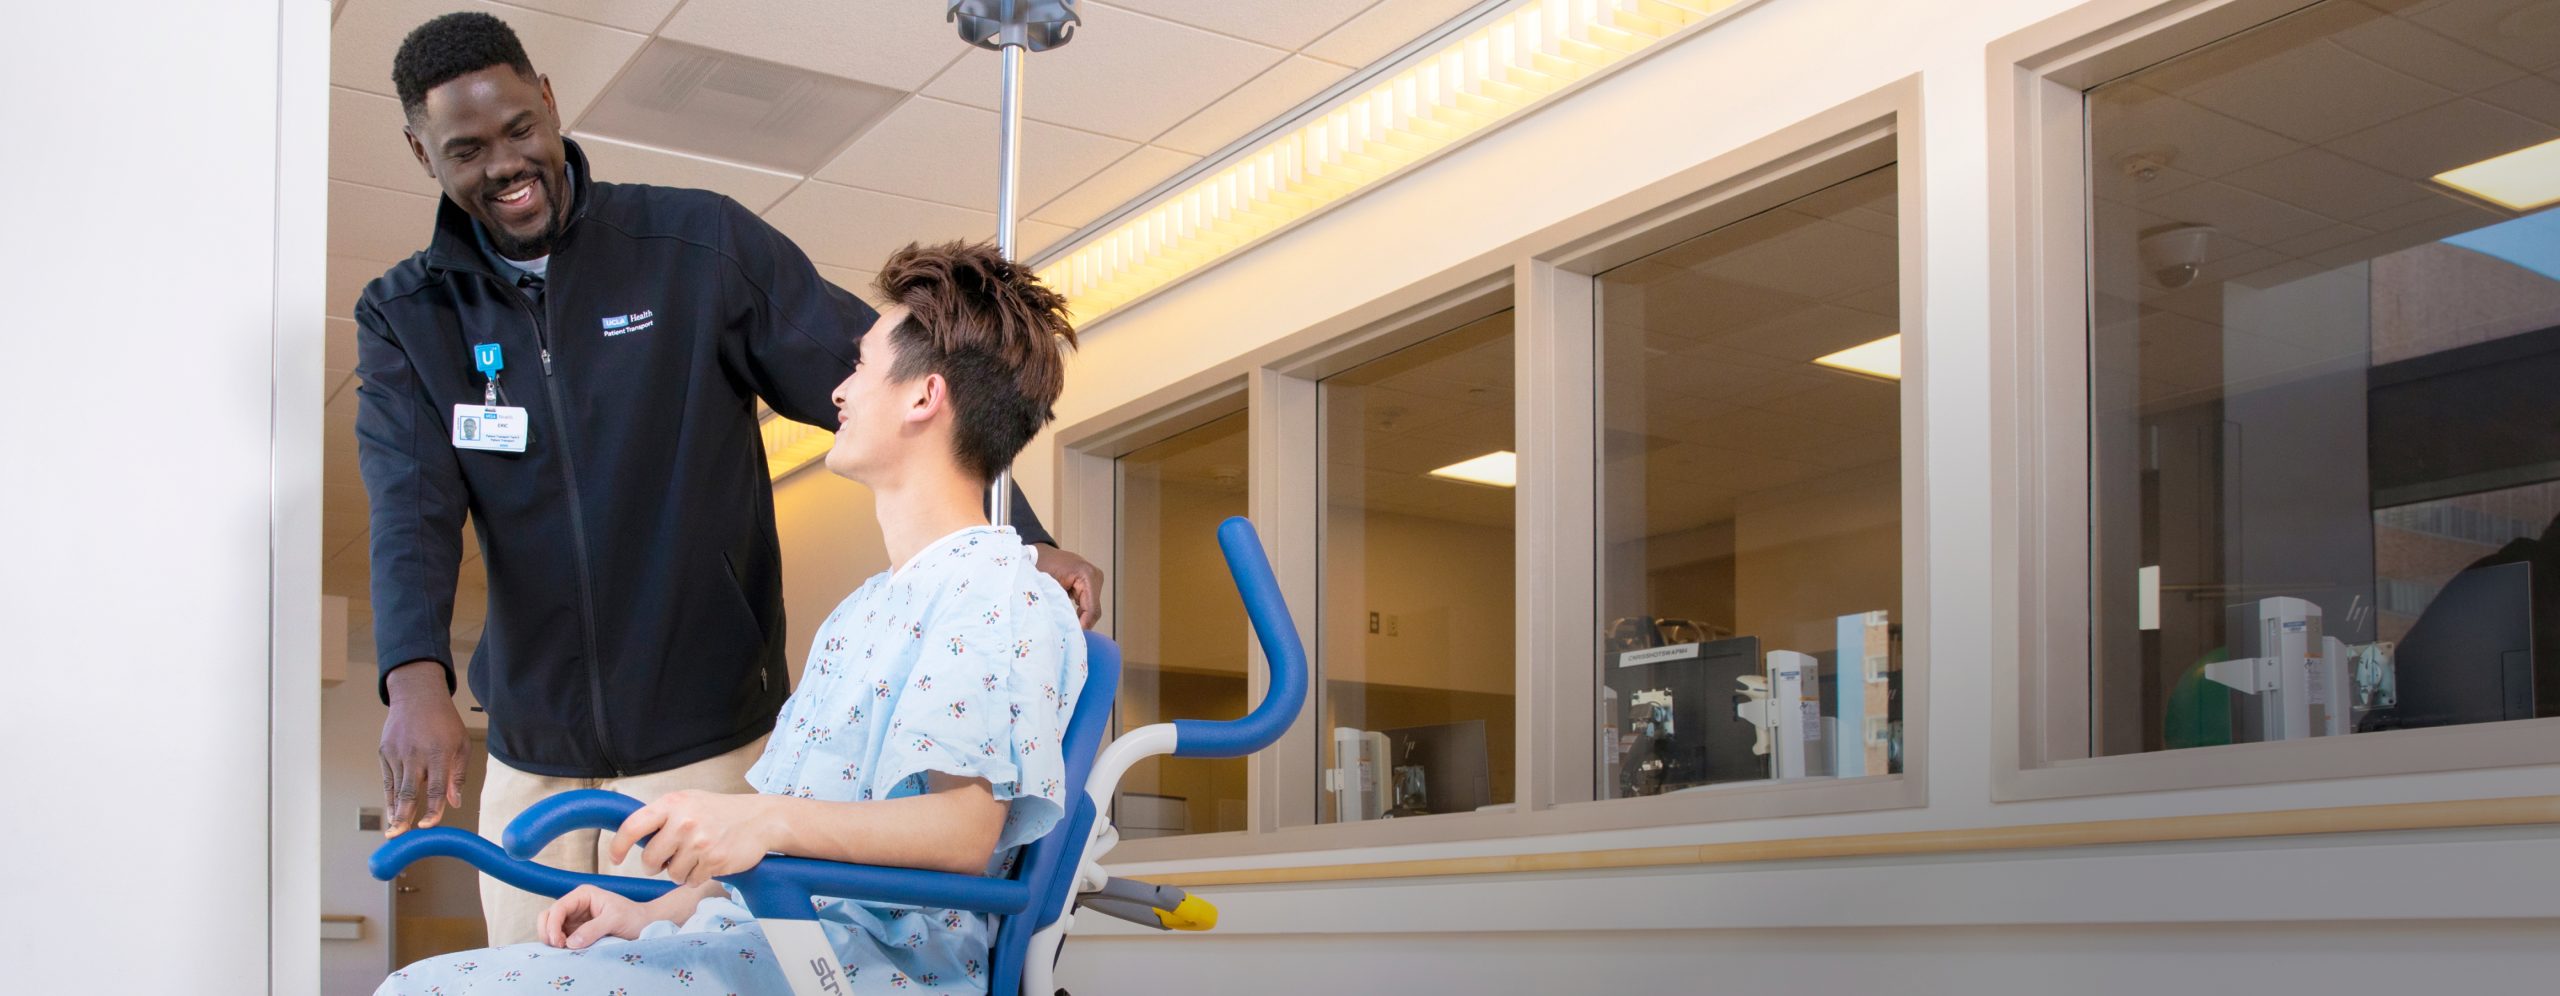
(932, 396)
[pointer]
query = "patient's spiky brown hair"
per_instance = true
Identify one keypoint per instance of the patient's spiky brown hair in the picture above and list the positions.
(993, 331)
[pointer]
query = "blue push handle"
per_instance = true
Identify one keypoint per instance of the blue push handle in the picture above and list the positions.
(577, 809)
(1269, 614)
(400, 852)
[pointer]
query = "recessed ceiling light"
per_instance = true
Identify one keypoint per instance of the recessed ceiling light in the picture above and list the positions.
(2522, 180)
(1500, 469)
(1881, 358)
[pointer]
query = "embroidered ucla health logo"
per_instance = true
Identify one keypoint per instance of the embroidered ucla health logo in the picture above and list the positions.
(615, 325)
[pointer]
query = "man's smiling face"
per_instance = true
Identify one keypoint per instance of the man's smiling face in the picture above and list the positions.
(491, 138)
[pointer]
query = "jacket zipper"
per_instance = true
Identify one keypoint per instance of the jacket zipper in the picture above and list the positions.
(577, 531)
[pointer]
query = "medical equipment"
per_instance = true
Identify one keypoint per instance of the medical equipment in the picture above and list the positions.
(2306, 682)
(1052, 876)
(1361, 785)
(1011, 28)
(1667, 722)
(1786, 706)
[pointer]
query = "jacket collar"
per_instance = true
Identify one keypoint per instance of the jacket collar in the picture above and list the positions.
(456, 242)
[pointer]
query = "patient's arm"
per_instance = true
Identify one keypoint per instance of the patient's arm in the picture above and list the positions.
(698, 836)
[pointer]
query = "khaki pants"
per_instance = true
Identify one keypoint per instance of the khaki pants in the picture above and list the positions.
(514, 914)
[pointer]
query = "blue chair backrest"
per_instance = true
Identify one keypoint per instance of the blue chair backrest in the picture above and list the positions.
(1048, 865)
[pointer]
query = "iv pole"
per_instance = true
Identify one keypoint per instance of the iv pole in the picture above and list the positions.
(1011, 28)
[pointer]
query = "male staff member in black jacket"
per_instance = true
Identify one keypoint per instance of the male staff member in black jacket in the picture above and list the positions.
(576, 364)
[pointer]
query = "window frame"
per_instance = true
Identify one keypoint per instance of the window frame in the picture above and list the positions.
(2040, 326)
(1548, 279)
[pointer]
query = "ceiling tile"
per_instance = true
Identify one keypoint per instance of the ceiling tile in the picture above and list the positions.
(2458, 134)
(1035, 236)
(2327, 183)
(580, 57)
(2531, 96)
(345, 281)
(899, 45)
(373, 223)
(2250, 217)
(856, 281)
(642, 16)
(1252, 105)
(1383, 29)
(2127, 121)
(858, 229)
(619, 162)
(1279, 25)
(1126, 75)
(1134, 174)
(2526, 32)
(365, 144)
(2404, 46)
(2317, 92)
(937, 150)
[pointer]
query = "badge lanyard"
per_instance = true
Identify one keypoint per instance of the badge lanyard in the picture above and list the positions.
(489, 426)
(490, 359)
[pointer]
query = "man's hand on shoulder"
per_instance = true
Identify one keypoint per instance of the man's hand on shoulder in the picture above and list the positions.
(1079, 577)
(422, 747)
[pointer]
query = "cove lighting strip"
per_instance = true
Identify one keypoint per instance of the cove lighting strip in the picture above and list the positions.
(789, 445)
(1472, 84)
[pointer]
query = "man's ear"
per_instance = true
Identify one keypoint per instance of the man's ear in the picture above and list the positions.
(932, 397)
(548, 102)
(409, 133)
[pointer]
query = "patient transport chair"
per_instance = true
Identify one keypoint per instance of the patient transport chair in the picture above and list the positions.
(1052, 876)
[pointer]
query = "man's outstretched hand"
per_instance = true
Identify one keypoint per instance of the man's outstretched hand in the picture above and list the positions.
(422, 745)
(1079, 577)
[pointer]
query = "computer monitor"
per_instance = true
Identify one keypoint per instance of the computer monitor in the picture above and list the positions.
(2469, 657)
(1439, 769)
(1676, 724)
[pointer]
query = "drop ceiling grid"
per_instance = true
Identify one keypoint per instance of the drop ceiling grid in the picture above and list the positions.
(1109, 168)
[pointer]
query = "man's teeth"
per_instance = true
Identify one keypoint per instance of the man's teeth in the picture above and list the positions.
(518, 197)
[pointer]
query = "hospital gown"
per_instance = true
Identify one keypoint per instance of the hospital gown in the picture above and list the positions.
(965, 661)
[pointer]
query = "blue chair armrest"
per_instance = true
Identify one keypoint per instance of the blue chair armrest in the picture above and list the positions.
(783, 887)
(779, 886)
(400, 852)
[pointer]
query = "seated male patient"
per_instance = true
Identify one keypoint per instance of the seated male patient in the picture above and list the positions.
(924, 733)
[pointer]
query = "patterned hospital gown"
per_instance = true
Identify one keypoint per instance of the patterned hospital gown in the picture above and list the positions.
(965, 661)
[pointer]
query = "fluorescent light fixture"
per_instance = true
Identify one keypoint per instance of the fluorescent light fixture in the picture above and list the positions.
(1881, 358)
(2522, 180)
(1500, 469)
(789, 445)
(1479, 80)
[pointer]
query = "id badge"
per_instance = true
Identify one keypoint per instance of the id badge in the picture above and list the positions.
(496, 428)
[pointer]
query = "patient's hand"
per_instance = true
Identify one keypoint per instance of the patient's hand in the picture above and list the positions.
(699, 836)
(589, 914)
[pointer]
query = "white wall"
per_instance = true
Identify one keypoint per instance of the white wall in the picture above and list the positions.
(141, 284)
(2389, 916)
(830, 545)
(351, 782)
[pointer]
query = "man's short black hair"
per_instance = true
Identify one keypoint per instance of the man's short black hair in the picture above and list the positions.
(451, 46)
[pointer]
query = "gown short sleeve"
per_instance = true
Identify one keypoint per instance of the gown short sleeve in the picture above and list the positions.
(987, 696)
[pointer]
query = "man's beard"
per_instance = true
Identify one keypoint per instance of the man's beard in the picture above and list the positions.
(534, 247)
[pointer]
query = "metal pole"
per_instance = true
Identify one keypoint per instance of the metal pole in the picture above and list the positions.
(1008, 152)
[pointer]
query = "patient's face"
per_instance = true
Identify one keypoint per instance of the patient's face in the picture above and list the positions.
(868, 408)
